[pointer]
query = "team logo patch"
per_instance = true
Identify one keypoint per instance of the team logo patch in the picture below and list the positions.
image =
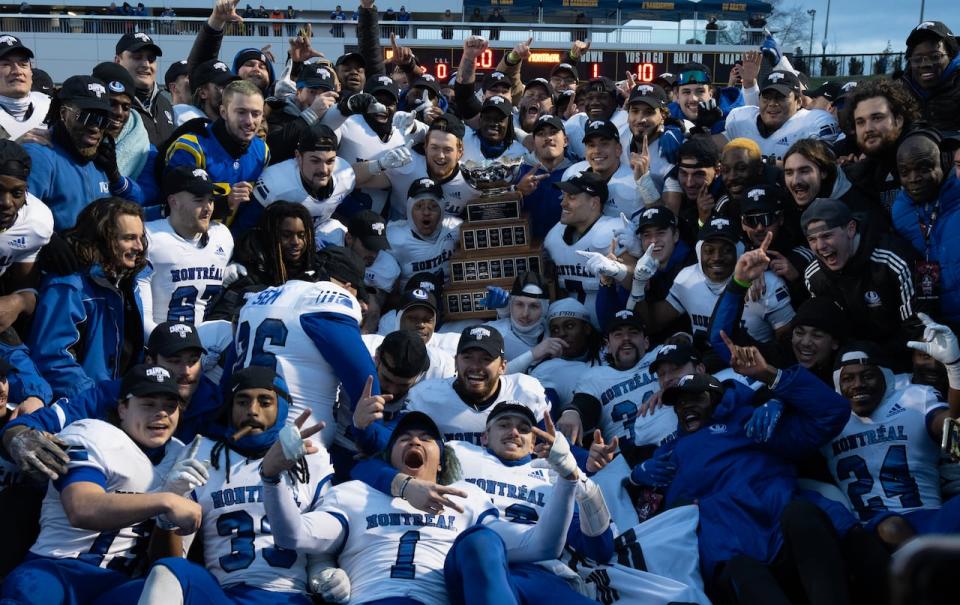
(181, 330)
(384, 80)
(159, 374)
(142, 37)
(755, 194)
(645, 89)
(200, 173)
(497, 75)
(719, 223)
(480, 333)
(595, 124)
(871, 298)
(717, 429)
(8, 40)
(650, 213)
(419, 294)
(116, 86)
(666, 350)
(895, 410)
(428, 286)
(426, 182)
(220, 251)
(220, 66)
(776, 76)
(925, 25)
(685, 379)
(378, 227)
(624, 314)
(497, 100)
(849, 86)
(20, 242)
(97, 89)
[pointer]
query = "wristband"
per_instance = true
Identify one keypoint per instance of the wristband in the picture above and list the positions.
(776, 380)
(742, 283)
(513, 58)
(403, 486)
(269, 479)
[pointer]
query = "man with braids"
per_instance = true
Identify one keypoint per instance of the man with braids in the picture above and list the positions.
(232, 498)
(89, 324)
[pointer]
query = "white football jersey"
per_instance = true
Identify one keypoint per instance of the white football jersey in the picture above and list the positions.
(13, 129)
(269, 333)
(456, 191)
(460, 421)
(282, 182)
(182, 277)
(571, 268)
(329, 233)
(805, 124)
(692, 294)
(31, 230)
(620, 393)
(471, 147)
(888, 461)
(102, 447)
(560, 376)
(575, 125)
(359, 143)
(622, 194)
(415, 254)
(392, 549)
(237, 545)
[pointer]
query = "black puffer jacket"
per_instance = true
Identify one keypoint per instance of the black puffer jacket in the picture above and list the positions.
(939, 105)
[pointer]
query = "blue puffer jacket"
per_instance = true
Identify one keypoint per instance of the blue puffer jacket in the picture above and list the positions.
(742, 486)
(78, 331)
(944, 240)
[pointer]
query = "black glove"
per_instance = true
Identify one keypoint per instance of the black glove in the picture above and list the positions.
(106, 159)
(57, 257)
(357, 104)
(708, 115)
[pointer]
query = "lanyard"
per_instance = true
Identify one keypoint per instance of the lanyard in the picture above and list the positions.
(927, 229)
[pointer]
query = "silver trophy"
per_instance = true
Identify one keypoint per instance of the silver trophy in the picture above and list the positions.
(492, 177)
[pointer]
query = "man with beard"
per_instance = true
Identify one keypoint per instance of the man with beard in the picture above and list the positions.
(540, 198)
(26, 225)
(870, 277)
(742, 168)
(228, 149)
(698, 287)
(21, 109)
(647, 116)
(188, 253)
(352, 73)
(608, 397)
(927, 214)
(933, 77)
(579, 350)
(418, 313)
(603, 152)
(315, 177)
(495, 137)
(692, 190)
(425, 241)
(886, 456)
(290, 116)
(80, 164)
(881, 111)
(438, 158)
(537, 100)
(599, 103)
(138, 54)
(780, 120)
(126, 128)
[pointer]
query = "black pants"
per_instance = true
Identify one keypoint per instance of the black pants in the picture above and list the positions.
(20, 511)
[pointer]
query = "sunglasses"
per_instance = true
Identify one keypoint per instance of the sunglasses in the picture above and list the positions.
(760, 220)
(92, 118)
(693, 77)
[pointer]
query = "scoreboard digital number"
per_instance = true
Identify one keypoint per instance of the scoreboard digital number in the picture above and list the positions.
(646, 65)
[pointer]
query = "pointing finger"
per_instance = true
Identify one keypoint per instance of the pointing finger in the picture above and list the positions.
(727, 341)
(367, 388)
(529, 41)
(645, 149)
(302, 418)
(313, 430)
(542, 434)
(614, 444)
(598, 437)
(194, 447)
(766, 242)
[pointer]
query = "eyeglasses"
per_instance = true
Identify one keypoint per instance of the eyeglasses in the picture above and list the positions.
(555, 80)
(760, 220)
(933, 58)
(92, 118)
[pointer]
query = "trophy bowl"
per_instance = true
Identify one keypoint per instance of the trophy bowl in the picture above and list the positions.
(491, 176)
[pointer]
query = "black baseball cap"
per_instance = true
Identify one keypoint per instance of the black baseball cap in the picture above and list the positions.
(408, 354)
(188, 178)
(144, 380)
(118, 79)
(601, 128)
(213, 71)
(356, 57)
(253, 377)
(137, 41)
(625, 317)
(425, 187)
(9, 44)
(318, 137)
(601, 84)
(14, 160)
(861, 352)
(782, 81)
(413, 421)
(702, 149)
(666, 79)
(419, 297)
(823, 314)
(500, 104)
(565, 67)
(543, 83)
(171, 337)
(495, 78)
(42, 82)
(660, 217)
(315, 75)
(762, 199)
(830, 91)
(651, 94)
(345, 265)
(928, 30)
(448, 123)
(511, 408)
(486, 338)
(429, 82)
(176, 69)
(85, 92)
(548, 120)
(382, 83)
(431, 282)
(370, 228)
(676, 354)
(719, 228)
(833, 212)
(530, 284)
(694, 73)
(693, 384)
(585, 182)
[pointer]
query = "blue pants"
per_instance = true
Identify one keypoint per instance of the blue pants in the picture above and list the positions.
(476, 572)
(943, 520)
(201, 588)
(47, 581)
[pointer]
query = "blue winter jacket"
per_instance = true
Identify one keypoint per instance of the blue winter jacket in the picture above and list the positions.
(78, 330)
(25, 381)
(742, 486)
(944, 239)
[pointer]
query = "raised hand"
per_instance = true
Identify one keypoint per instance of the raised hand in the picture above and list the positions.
(748, 361)
(599, 264)
(560, 459)
(705, 203)
(626, 237)
(751, 67)
(187, 473)
(370, 407)
(531, 180)
(268, 53)
(293, 444)
(601, 454)
(523, 49)
(570, 425)
(473, 47)
(646, 267)
(497, 298)
(751, 265)
(224, 11)
(578, 48)
(640, 162)
(938, 342)
(402, 55)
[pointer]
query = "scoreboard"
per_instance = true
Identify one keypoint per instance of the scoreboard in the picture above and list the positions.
(645, 64)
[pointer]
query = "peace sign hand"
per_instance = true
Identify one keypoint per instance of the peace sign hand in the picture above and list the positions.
(293, 444)
(559, 459)
(752, 264)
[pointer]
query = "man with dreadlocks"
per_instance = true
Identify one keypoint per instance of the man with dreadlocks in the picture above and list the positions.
(241, 562)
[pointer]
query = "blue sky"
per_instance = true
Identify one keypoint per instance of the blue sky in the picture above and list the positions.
(866, 25)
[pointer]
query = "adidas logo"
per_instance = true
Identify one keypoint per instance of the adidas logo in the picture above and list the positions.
(896, 409)
(220, 251)
(537, 474)
(20, 242)
(783, 141)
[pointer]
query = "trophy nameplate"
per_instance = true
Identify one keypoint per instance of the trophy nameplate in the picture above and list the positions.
(503, 210)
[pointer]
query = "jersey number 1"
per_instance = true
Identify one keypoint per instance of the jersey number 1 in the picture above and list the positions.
(404, 567)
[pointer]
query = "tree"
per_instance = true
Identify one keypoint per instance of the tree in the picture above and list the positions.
(791, 23)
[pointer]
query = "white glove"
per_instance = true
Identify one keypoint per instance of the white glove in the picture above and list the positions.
(646, 268)
(332, 584)
(647, 190)
(232, 273)
(395, 158)
(291, 443)
(187, 473)
(403, 121)
(940, 342)
(599, 264)
(594, 514)
(560, 459)
(626, 236)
